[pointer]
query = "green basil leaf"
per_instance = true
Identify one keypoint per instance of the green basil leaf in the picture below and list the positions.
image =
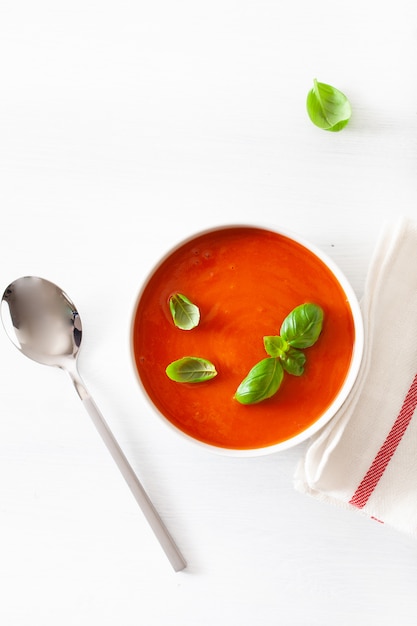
(327, 107)
(302, 327)
(185, 314)
(294, 362)
(191, 369)
(275, 346)
(262, 382)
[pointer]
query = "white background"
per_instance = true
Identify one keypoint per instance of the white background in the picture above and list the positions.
(125, 126)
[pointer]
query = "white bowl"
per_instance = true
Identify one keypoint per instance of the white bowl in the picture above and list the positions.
(303, 247)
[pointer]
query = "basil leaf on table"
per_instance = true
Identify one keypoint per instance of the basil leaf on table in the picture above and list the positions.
(262, 382)
(191, 369)
(327, 107)
(302, 327)
(185, 314)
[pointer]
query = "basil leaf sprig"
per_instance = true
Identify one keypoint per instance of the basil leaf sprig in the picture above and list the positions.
(300, 329)
(191, 369)
(185, 314)
(327, 107)
(262, 382)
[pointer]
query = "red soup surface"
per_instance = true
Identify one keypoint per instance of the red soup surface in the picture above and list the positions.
(245, 281)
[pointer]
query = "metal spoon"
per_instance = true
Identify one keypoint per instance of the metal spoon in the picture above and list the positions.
(44, 324)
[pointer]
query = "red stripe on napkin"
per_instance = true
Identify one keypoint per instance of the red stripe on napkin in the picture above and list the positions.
(380, 462)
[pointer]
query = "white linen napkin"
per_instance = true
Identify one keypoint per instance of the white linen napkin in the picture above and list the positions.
(365, 458)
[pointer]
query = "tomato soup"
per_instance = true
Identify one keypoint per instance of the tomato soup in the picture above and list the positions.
(245, 280)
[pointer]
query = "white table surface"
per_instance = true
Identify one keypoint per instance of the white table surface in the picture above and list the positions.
(125, 126)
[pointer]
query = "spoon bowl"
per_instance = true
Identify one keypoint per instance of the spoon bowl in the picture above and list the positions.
(41, 321)
(45, 326)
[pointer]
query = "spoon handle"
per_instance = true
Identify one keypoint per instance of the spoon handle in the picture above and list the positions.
(171, 550)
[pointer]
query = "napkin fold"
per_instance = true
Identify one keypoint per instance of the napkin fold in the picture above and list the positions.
(365, 458)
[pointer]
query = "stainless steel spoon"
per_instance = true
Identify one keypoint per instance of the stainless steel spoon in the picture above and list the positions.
(44, 325)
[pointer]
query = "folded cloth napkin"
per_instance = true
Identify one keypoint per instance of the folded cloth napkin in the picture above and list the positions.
(365, 458)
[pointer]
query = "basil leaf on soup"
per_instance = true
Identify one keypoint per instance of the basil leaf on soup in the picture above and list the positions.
(327, 107)
(275, 345)
(185, 314)
(191, 369)
(262, 382)
(294, 362)
(302, 327)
